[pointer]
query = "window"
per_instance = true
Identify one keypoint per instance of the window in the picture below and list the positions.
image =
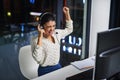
(72, 45)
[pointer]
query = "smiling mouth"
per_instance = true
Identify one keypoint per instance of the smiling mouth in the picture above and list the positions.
(50, 32)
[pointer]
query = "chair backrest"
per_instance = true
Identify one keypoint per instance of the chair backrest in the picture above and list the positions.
(28, 65)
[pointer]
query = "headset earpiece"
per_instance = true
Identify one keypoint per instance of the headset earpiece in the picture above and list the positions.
(42, 15)
(45, 17)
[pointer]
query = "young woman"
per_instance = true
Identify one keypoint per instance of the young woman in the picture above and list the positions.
(46, 47)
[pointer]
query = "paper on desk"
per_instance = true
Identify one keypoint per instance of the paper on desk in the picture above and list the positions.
(84, 64)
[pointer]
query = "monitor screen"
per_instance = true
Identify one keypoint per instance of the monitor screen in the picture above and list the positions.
(107, 54)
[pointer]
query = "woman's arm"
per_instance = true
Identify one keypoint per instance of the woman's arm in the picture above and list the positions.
(36, 51)
(36, 46)
(69, 24)
(66, 13)
(40, 35)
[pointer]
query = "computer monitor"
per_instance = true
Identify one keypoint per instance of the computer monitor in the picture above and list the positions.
(107, 63)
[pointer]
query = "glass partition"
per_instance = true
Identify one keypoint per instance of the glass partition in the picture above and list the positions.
(72, 45)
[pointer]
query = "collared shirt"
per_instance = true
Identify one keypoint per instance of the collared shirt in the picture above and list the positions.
(49, 53)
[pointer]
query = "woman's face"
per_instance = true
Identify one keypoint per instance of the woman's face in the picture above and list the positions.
(49, 27)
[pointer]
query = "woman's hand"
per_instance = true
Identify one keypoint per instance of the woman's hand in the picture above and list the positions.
(66, 12)
(40, 35)
(40, 31)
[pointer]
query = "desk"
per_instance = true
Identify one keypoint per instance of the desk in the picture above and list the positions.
(61, 74)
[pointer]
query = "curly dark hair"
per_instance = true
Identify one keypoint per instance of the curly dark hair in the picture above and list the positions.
(46, 17)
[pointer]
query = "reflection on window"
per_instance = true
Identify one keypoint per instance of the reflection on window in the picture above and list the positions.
(32, 1)
(72, 44)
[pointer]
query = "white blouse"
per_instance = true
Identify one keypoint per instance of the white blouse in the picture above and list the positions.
(49, 53)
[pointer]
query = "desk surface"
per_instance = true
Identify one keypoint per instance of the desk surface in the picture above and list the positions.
(63, 73)
(60, 74)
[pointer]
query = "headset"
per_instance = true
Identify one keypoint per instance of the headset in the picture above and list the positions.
(56, 34)
(42, 16)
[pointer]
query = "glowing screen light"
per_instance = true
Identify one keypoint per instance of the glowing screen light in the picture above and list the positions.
(75, 50)
(37, 18)
(63, 41)
(22, 34)
(22, 28)
(35, 13)
(32, 1)
(70, 49)
(74, 40)
(84, 1)
(73, 45)
(70, 39)
(64, 48)
(79, 52)
(79, 42)
(8, 13)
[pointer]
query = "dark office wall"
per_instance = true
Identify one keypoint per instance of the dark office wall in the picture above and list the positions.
(20, 10)
(114, 14)
(1, 11)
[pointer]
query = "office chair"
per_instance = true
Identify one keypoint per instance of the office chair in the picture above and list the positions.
(28, 66)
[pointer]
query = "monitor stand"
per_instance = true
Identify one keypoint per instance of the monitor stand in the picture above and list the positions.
(86, 75)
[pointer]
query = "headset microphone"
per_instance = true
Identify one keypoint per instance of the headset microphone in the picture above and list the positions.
(56, 32)
(57, 37)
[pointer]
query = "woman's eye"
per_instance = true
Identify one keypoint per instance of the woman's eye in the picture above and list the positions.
(54, 26)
